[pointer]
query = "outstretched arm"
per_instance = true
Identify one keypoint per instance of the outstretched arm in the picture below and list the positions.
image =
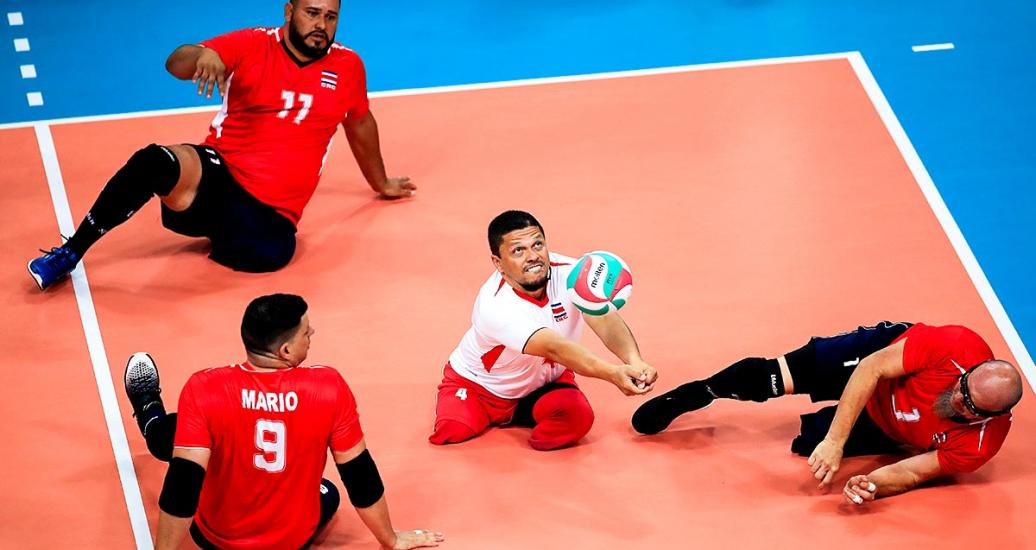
(552, 346)
(616, 335)
(199, 64)
(884, 363)
(365, 143)
(366, 493)
(893, 479)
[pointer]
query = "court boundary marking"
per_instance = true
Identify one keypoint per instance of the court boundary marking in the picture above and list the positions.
(91, 327)
(95, 346)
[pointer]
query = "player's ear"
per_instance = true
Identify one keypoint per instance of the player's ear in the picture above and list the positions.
(497, 262)
(287, 11)
(284, 352)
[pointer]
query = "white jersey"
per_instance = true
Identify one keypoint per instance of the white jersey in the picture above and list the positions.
(503, 320)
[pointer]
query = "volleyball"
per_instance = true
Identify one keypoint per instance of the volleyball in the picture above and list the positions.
(599, 283)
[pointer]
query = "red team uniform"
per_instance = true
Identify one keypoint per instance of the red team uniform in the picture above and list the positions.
(934, 358)
(279, 115)
(268, 433)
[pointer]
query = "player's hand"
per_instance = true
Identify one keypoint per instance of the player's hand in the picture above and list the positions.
(418, 538)
(210, 72)
(631, 380)
(859, 490)
(648, 374)
(397, 188)
(824, 461)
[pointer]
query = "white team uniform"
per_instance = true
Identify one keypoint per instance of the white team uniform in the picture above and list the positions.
(502, 321)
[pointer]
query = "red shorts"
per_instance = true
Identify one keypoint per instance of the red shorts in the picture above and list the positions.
(467, 402)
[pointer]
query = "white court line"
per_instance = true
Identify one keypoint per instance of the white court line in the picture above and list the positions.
(933, 47)
(465, 87)
(942, 213)
(98, 357)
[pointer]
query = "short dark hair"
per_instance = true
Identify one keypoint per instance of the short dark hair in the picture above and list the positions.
(512, 220)
(270, 320)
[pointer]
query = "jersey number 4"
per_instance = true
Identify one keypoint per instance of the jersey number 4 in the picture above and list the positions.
(269, 438)
(289, 103)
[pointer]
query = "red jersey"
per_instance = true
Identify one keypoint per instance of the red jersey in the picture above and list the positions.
(934, 358)
(269, 433)
(279, 115)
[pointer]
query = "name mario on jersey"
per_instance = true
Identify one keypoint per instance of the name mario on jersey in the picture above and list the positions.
(269, 401)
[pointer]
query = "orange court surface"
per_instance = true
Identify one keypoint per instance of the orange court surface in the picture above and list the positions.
(757, 204)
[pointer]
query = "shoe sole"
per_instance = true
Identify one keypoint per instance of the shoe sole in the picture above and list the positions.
(35, 277)
(138, 356)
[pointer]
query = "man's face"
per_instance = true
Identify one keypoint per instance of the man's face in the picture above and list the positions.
(950, 405)
(312, 25)
(296, 348)
(523, 259)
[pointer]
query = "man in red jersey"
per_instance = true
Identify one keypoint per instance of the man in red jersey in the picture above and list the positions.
(285, 91)
(251, 443)
(934, 390)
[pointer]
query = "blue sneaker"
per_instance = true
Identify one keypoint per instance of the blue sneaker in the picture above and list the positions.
(53, 266)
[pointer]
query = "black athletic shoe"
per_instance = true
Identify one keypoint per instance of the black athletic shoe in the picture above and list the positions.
(143, 389)
(658, 413)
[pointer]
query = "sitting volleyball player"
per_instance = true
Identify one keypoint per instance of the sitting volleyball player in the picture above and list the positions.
(934, 389)
(285, 92)
(251, 442)
(515, 364)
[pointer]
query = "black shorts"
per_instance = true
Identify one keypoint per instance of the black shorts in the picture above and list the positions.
(822, 369)
(246, 234)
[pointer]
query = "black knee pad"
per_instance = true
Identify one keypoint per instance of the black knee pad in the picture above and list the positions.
(751, 379)
(330, 499)
(155, 167)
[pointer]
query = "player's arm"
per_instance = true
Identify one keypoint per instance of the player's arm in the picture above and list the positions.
(552, 346)
(367, 494)
(884, 363)
(893, 479)
(199, 64)
(616, 335)
(362, 133)
(180, 494)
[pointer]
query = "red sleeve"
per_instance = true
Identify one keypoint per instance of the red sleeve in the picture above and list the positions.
(360, 103)
(232, 46)
(971, 448)
(192, 428)
(922, 349)
(346, 431)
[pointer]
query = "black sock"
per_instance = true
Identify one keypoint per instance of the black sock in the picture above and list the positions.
(160, 434)
(150, 171)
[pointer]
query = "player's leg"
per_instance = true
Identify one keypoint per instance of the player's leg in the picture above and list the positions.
(459, 413)
(170, 172)
(145, 397)
(330, 499)
(247, 235)
(820, 369)
(558, 413)
(866, 438)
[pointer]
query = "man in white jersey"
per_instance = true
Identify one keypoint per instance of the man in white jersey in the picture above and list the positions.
(516, 363)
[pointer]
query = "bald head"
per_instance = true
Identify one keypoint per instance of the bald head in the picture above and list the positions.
(995, 386)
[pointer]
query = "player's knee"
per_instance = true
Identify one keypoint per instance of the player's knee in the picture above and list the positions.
(255, 257)
(450, 431)
(563, 417)
(154, 166)
(330, 499)
(750, 379)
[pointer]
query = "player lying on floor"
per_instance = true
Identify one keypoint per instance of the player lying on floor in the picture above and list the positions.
(936, 391)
